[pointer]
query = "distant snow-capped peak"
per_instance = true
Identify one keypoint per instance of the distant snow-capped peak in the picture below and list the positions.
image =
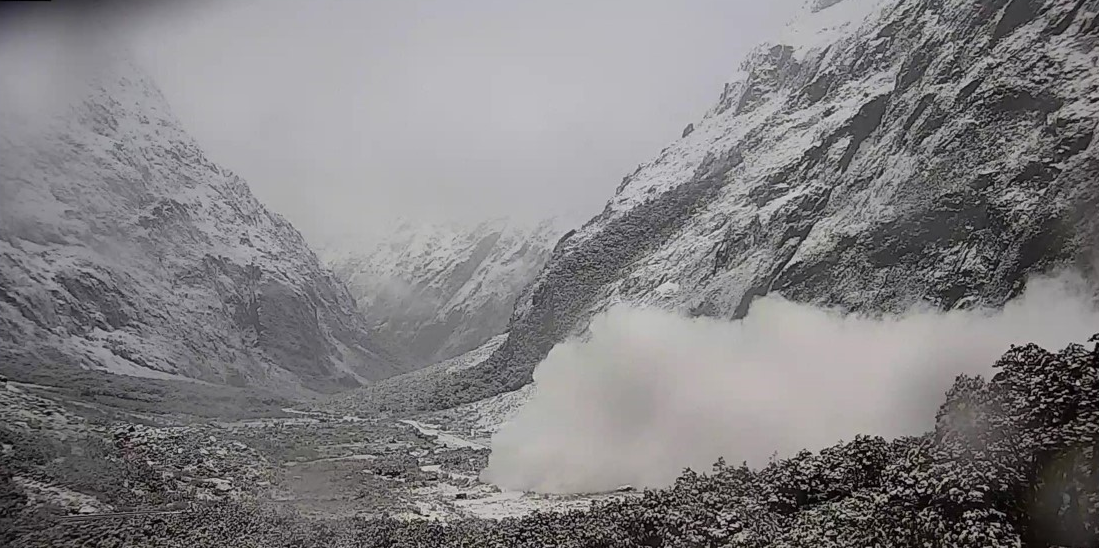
(441, 288)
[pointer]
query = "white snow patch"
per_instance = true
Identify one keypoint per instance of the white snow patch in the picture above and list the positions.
(814, 31)
(440, 502)
(484, 417)
(667, 288)
(474, 357)
(363, 456)
(443, 438)
(73, 501)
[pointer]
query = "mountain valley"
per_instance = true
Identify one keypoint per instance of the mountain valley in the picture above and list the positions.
(440, 290)
(179, 367)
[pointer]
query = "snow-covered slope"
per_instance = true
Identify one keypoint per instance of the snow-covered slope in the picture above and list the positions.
(881, 153)
(439, 290)
(402, 392)
(122, 247)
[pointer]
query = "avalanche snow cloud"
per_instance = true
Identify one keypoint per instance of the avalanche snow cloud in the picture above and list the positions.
(650, 392)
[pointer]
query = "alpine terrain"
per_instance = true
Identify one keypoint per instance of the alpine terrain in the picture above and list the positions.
(879, 155)
(438, 290)
(123, 248)
(182, 370)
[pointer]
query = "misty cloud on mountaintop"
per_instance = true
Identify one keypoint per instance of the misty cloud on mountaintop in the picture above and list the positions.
(343, 115)
(651, 392)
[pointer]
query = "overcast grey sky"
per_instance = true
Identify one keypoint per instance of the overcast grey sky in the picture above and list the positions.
(344, 113)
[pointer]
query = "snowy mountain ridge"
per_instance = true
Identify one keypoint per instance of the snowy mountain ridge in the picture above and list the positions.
(440, 289)
(122, 247)
(880, 155)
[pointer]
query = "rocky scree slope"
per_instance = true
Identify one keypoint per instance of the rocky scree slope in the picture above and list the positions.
(439, 290)
(123, 248)
(882, 153)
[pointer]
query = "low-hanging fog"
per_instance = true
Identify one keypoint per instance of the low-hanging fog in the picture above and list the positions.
(347, 116)
(651, 392)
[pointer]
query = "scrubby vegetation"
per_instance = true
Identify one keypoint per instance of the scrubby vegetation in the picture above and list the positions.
(144, 395)
(1012, 461)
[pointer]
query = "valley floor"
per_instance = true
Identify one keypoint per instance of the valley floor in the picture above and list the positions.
(77, 472)
(79, 462)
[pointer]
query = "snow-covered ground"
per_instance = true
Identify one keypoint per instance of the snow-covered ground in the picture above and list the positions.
(481, 419)
(451, 434)
(444, 501)
(319, 464)
(445, 439)
(462, 495)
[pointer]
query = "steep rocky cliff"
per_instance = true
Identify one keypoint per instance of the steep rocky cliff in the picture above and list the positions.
(881, 153)
(122, 247)
(438, 290)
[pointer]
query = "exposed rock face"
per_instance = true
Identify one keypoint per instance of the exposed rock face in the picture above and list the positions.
(881, 154)
(122, 247)
(440, 290)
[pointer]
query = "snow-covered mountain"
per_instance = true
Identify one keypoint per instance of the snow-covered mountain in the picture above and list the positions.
(122, 247)
(881, 153)
(441, 289)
